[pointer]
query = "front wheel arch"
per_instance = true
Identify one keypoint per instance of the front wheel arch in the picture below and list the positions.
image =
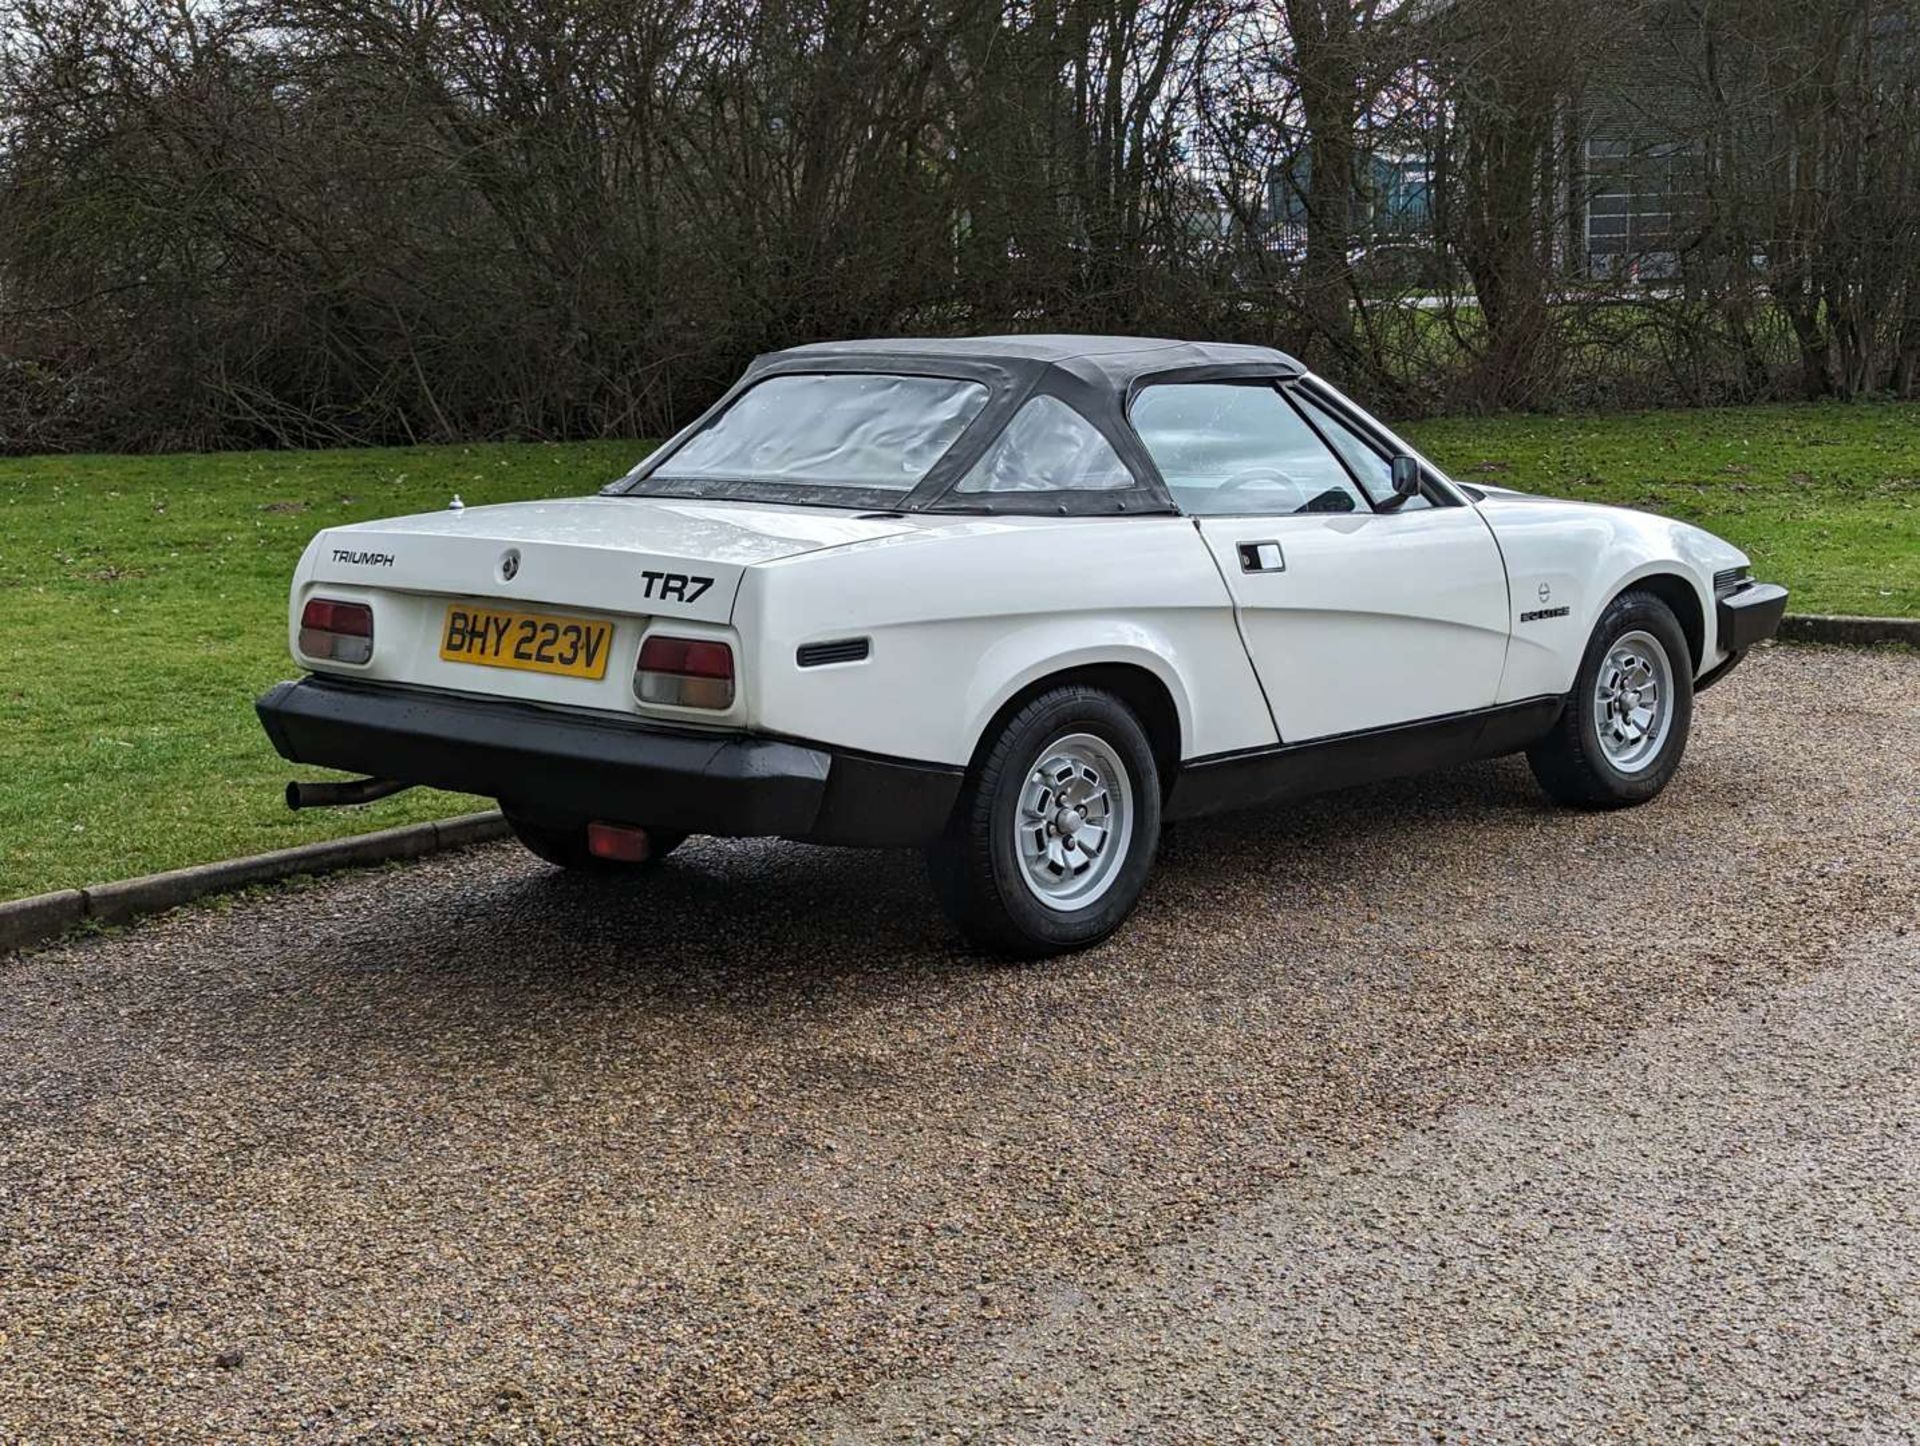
(1571, 760)
(1680, 596)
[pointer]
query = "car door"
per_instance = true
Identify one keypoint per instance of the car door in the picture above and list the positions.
(1357, 613)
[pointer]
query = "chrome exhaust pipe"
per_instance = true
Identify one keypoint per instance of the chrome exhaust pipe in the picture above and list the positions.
(340, 795)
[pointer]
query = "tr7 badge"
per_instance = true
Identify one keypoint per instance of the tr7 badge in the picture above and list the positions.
(675, 586)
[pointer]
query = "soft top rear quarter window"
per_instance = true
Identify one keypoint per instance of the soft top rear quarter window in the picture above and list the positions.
(1048, 447)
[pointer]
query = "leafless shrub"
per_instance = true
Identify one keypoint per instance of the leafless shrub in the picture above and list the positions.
(317, 221)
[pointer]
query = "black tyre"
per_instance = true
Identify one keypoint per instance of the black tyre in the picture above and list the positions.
(567, 846)
(1055, 830)
(1626, 722)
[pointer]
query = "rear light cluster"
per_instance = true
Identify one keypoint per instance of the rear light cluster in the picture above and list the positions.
(338, 631)
(684, 673)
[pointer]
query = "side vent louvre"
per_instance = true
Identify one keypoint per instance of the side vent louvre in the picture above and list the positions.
(840, 650)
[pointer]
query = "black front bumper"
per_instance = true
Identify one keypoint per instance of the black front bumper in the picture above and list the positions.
(1750, 615)
(573, 767)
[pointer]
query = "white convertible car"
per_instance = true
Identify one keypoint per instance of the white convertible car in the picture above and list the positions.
(1015, 600)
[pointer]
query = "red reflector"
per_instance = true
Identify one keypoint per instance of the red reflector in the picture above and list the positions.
(619, 842)
(355, 620)
(686, 657)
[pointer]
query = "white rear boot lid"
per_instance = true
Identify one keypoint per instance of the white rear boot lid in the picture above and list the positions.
(588, 552)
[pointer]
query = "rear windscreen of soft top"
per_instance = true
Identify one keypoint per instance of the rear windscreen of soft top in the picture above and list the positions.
(862, 431)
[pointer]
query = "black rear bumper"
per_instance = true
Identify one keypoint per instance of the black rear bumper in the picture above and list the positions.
(573, 767)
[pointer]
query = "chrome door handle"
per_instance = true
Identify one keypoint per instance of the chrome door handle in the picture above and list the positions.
(1262, 557)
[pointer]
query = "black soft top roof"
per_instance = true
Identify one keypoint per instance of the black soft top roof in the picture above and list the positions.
(1114, 361)
(1094, 375)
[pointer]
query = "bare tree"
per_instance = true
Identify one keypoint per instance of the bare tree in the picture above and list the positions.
(305, 221)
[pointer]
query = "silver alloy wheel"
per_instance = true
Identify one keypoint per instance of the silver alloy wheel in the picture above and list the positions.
(1074, 822)
(1633, 701)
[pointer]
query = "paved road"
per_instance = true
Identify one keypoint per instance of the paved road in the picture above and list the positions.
(1425, 1101)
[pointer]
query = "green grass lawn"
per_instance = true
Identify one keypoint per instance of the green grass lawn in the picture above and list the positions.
(1825, 498)
(143, 599)
(143, 608)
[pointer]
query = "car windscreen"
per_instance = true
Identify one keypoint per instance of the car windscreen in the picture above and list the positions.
(852, 431)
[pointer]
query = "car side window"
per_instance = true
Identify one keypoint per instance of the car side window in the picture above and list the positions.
(1228, 448)
(1048, 447)
(1367, 462)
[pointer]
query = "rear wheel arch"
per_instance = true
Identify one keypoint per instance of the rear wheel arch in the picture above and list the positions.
(1137, 686)
(1066, 752)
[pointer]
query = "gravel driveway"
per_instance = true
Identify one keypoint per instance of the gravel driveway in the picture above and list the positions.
(1713, 1233)
(1423, 1108)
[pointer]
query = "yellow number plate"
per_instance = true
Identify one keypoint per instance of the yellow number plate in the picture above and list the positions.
(531, 642)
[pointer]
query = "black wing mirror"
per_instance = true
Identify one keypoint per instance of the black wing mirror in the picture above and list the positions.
(1406, 476)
